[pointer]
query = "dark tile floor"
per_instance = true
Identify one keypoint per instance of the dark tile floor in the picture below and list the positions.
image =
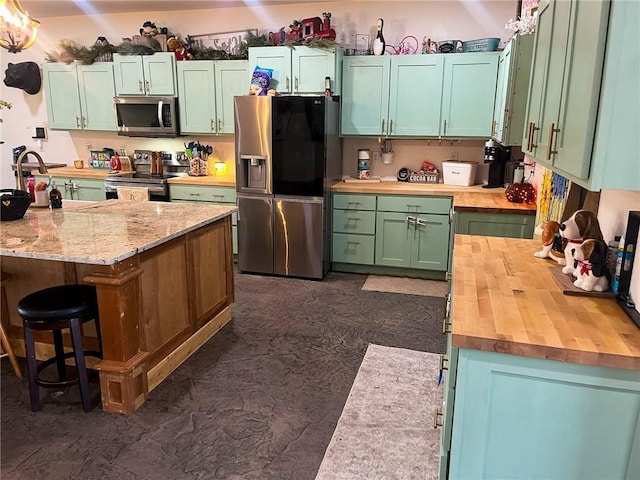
(259, 401)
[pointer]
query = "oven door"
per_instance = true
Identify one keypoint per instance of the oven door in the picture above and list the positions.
(157, 192)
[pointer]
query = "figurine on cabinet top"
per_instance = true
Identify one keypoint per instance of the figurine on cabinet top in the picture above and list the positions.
(379, 43)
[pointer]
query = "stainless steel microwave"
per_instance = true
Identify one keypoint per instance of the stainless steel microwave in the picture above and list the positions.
(147, 116)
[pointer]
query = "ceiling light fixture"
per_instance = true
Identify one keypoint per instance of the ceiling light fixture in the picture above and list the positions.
(18, 31)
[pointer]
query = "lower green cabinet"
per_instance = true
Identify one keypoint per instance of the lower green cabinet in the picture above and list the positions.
(521, 417)
(495, 224)
(78, 188)
(216, 195)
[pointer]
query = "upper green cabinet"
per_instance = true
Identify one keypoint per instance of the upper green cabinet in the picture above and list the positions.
(299, 69)
(584, 79)
(514, 69)
(145, 74)
(206, 89)
(419, 95)
(80, 97)
(468, 94)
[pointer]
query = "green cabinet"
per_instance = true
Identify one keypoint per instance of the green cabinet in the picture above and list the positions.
(354, 228)
(468, 94)
(218, 195)
(514, 70)
(582, 107)
(419, 95)
(79, 97)
(145, 74)
(78, 188)
(206, 89)
(300, 69)
(412, 236)
(495, 224)
(520, 417)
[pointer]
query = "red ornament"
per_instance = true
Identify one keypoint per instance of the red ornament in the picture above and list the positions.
(520, 193)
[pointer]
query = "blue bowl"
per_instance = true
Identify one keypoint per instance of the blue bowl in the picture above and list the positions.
(13, 204)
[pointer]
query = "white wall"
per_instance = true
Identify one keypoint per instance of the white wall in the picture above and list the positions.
(439, 20)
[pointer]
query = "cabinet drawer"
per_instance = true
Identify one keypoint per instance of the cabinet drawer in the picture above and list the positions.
(354, 202)
(406, 204)
(203, 193)
(354, 221)
(353, 248)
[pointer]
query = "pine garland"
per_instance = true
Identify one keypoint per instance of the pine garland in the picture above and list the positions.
(315, 42)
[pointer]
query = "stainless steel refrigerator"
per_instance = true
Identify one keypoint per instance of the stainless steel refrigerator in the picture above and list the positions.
(288, 154)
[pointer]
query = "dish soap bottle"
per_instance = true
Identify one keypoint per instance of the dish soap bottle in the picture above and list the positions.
(55, 197)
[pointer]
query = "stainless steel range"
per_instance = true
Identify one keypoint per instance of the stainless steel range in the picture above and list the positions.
(149, 174)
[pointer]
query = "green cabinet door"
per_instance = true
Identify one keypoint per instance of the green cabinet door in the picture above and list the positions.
(97, 89)
(160, 73)
(541, 49)
(502, 90)
(430, 242)
(365, 92)
(520, 417)
(495, 224)
(584, 60)
(469, 90)
(233, 78)
(88, 189)
(128, 74)
(309, 67)
(393, 239)
(196, 93)
(279, 60)
(62, 96)
(415, 95)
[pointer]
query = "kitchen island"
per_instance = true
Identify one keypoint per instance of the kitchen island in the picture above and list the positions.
(164, 278)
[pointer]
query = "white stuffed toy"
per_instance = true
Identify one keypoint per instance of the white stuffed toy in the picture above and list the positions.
(590, 264)
(582, 225)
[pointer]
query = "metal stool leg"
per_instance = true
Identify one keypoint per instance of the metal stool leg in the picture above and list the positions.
(32, 369)
(83, 378)
(59, 349)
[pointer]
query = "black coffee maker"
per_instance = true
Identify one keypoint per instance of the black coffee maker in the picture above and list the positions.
(497, 157)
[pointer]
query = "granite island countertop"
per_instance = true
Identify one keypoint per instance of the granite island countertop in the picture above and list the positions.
(104, 232)
(505, 300)
(474, 198)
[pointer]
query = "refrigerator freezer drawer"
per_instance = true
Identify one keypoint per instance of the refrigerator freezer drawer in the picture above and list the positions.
(255, 234)
(298, 237)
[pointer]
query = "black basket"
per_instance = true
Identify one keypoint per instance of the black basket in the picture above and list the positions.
(13, 204)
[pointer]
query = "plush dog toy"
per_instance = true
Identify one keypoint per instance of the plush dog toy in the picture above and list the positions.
(552, 242)
(582, 225)
(590, 265)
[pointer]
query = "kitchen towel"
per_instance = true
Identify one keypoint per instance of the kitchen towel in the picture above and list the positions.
(134, 194)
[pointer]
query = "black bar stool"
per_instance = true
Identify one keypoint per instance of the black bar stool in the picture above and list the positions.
(57, 308)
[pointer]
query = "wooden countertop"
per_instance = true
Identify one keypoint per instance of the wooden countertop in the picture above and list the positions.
(474, 198)
(506, 300)
(210, 180)
(72, 172)
(103, 233)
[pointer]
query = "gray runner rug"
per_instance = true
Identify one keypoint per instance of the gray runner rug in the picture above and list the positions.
(386, 429)
(409, 286)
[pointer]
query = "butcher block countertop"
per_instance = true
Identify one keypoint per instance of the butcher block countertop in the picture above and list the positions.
(72, 172)
(505, 300)
(102, 233)
(209, 180)
(473, 199)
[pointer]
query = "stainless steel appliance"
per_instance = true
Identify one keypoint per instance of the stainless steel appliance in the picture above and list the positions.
(146, 116)
(288, 154)
(174, 164)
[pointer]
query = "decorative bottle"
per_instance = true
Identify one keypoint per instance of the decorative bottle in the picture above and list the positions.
(379, 43)
(55, 197)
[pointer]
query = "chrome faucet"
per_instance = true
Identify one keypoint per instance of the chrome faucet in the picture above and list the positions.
(41, 167)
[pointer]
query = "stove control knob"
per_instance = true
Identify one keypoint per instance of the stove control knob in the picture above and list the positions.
(136, 156)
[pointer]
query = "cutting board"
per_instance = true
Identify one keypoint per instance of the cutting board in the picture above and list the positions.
(358, 180)
(565, 282)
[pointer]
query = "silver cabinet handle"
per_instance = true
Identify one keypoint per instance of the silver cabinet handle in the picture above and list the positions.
(445, 128)
(213, 125)
(353, 243)
(140, 86)
(295, 81)
(446, 326)
(148, 87)
(78, 122)
(437, 415)
(382, 131)
(391, 126)
(84, 122)
(287, 82)
(410, 221)
(355, 204)
(352, 219)
(420, 221)
(219, 125)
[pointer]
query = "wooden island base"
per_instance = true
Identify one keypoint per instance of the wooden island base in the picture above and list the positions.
(157, 307)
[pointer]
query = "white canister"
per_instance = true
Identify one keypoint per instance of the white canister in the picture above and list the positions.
(363, 163)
